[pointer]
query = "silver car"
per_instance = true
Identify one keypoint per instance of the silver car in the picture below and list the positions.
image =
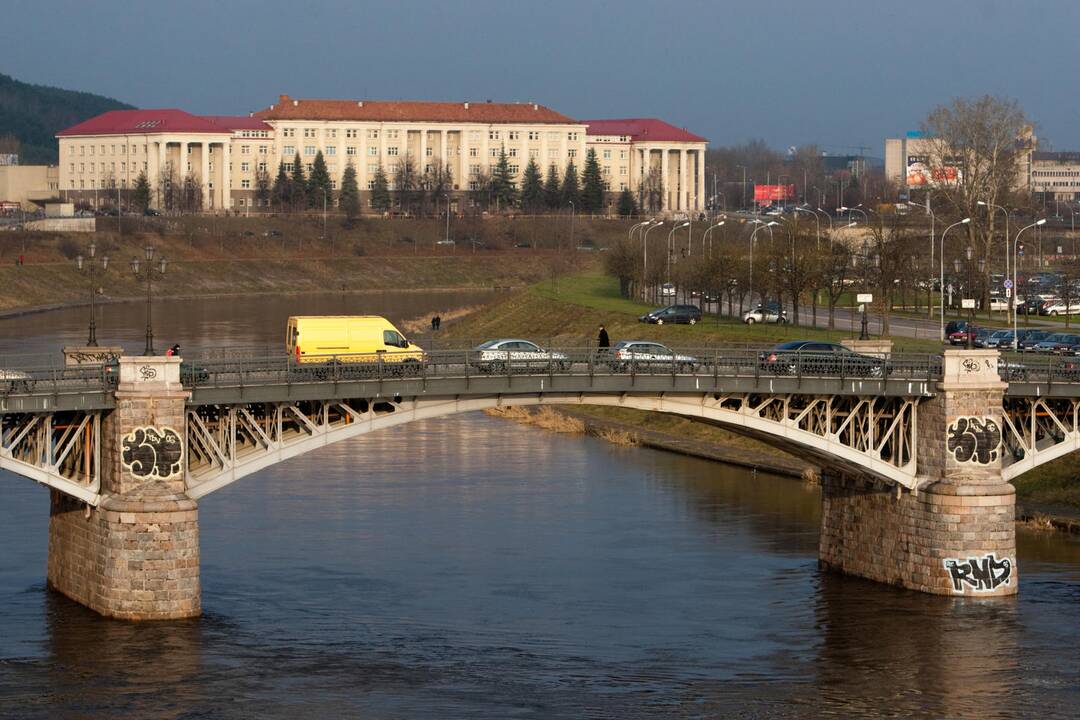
(515, 354)
(642, 354)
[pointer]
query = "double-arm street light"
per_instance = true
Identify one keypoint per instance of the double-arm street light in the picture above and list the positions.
(992, 207)
(146, 272)
(645, 258)
(90, 264)
(843, 209)
(933, 223)
(941, 278)
(1015, 289)
(817, 221)
(760, 224)
(968, 255)
(669, 236)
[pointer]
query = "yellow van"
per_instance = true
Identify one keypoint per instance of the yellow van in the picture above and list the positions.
(348, 338)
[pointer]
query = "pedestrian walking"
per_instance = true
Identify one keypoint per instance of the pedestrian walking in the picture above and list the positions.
(438, 321)
(174, 351)
(602, 340)
(434, 323)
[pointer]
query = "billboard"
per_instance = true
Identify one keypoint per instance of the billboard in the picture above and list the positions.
(921, 174)
(768, 194)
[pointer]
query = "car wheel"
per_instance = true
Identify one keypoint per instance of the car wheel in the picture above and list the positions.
(564, 366)
(750, 321)
(781, 321)
(693, 321)
(792, 369)
(1053, 313)
(659, 321)
(497, 368)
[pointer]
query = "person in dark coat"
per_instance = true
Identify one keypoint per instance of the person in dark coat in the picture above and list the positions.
(602, 340)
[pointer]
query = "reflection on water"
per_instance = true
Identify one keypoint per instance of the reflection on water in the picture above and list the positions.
(471, 567)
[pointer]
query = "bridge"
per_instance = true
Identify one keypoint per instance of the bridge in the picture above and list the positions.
(916, 450)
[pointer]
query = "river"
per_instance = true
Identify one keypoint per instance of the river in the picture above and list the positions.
(471, 567)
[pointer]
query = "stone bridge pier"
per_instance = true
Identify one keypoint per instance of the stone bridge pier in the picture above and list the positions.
(955, 536)
(136, 555)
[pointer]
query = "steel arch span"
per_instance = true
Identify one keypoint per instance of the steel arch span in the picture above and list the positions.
(869, 435)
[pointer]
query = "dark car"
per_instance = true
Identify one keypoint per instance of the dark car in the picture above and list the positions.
(1031, 338)
(954, 326)
(811, 357)
(1057, 343)
(982, 336)
(673, 314)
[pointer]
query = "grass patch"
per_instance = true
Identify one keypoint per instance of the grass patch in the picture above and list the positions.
(1055, 483)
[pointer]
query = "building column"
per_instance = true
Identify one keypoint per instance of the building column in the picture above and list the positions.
(684, 190)
(423, 151)
(444, 159)
(136, 555)
(666, 192)
(204, 169)
(226, 175)
(159, 168)
(700, 204)
(463, 160)
(956, 535)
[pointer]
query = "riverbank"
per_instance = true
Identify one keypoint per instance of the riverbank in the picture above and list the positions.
(209, 257)
(570, 311)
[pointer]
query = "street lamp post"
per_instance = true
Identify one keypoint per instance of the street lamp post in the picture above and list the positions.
(817, 222)
(941, 279)
(827, 217)
(669, 235)
(742, 200)
(769, 225)
(147, 274)
(992, 207)
(447, 197)
(706, 236)
(645, 258)
(572, 211)
(933, 222)
(91, 268)
(1012, 299)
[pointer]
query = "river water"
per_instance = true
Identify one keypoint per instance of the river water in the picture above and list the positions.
(473, 568)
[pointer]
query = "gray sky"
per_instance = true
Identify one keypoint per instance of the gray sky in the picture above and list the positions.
(834, 72)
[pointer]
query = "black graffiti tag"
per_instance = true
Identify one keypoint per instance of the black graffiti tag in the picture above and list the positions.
(152, 452)
(974, 439)
(980, 574)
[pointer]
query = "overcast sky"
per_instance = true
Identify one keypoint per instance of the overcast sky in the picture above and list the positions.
(833, 72)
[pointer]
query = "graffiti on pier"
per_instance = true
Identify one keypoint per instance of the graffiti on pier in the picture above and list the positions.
(975, 439)
(983, 574)
(151, 452)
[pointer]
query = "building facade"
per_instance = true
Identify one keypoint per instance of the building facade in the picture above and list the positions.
(227, 156)
(28, 186)
(1055, 176)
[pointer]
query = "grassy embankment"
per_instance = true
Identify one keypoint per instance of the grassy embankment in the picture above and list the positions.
(223, 256)
(571, 310)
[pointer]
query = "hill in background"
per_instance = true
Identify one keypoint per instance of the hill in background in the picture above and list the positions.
(30, 116)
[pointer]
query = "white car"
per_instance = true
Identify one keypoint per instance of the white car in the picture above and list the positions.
(514, 354)
(1000, 304)
(641, 354)
(667, 290)
(15, 381)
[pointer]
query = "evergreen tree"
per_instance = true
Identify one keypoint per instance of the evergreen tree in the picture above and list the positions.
(282, 192)
(319, 182)
(349, 196)
(552, 189)
(298, 186)
(380, 190)
(502, 181)
(592, 192)
(627, 205)
(571, 192)
(140, 196)
(532, 188)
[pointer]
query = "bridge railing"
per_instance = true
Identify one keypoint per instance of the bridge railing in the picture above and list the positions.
(51, 378)
(716, 361)
(1039, 368)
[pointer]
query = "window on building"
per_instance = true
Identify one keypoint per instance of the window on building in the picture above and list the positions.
(493, 134)
(534, 134)
(474, 170)
(514, 169)
(622, 154)
(350, 134)
(372, 168)
(474, 136)
(514, 134)
(494, 151)
(245, 149)
(288, 132)
(607, 154)
(263, 149)
(91, 149)
(571, 153)
(309, 150)
(309, 132)
(622, 169)
(331, 150)
(392, 150)
(288, 167)
(262, 167)
(350, 150)
(429, 151)
(474, 152)
(373, 151)
(553, 154)
(534, 153)
(554, 135)
(331, 133)
(245, 167)
(288, 150)
(245, 183)
(571, 136)
(512, 152)
(391, 134)
(373, 134)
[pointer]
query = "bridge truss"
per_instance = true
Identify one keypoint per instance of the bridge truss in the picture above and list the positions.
(867, 434)
(60, 449)
(1037, 430)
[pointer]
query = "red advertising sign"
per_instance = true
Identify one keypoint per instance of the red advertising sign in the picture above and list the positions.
(766, 194)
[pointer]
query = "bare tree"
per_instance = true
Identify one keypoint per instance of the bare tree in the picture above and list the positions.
(406, 183)
(651, 191)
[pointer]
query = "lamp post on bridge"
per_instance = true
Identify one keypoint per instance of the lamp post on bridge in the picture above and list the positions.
(645, 258)
(1015, 288)
(147, 273)
(91, 268)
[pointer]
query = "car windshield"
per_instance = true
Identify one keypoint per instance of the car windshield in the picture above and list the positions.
(1056, 337)
(488, 345)
(793, 345)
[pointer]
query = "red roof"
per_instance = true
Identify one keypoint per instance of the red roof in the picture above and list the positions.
(237, 122)
(642, 130)
(411, 111)
(135, 122)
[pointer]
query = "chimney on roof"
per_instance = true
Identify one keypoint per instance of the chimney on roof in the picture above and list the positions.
(466, 106)
(359, 103)
(295, 103)
(271, 107)
(535, 106)
(283, 99)
(251, 114)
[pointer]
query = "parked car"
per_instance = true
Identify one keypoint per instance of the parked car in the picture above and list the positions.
(1034, 304)
(960, 337)
(272, 233)
(955, 326)
(151, 212)
(811, 357)
(981, 336)
(446, 241)
(667, 290)
(766, 313)
(999, 303)
(1000, 339)
(641, 354)
(1031, 338)
(1058, 306)
(361, 343)
(674, 314)
(514, 354)
(1057, 343)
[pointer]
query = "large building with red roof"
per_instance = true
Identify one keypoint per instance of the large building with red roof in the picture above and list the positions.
(232, 158)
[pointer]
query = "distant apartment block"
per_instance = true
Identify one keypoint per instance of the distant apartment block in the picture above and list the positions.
(226, 154)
